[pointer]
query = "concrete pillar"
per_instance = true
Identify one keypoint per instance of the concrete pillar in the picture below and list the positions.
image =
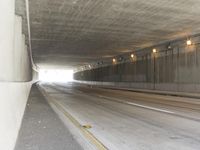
(7, 17)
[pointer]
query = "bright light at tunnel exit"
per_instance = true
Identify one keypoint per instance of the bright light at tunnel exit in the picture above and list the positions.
(55, 75)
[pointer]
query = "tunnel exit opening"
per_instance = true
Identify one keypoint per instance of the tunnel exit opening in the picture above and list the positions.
(55, 75)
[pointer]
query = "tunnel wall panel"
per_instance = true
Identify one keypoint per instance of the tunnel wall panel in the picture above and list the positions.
(171, 69)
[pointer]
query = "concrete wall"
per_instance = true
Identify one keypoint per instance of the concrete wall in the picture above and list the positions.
(21, 62)
(35, 76)
(15, 74)
(172, 69)
(7, 16)
(13, 98)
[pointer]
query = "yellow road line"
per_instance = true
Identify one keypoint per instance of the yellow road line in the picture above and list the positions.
(84, 131)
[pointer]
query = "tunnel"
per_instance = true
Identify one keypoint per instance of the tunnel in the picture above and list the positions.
(99, 75)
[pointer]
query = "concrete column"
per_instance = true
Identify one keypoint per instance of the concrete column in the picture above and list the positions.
(7, 17)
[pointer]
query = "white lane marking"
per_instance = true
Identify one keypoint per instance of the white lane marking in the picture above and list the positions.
(149, 107)
(139, 105)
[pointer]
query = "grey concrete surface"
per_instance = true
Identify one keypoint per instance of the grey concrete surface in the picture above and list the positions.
(76, 33)
(175, 69)
(128, 120)
(14, 59)
(42, 129)
(13, 99)
(15, 74)
(70, 33)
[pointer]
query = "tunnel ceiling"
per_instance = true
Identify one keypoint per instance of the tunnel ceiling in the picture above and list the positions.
(71, 33)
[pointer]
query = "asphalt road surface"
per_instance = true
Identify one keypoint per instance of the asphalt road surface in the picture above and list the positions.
(124, 120)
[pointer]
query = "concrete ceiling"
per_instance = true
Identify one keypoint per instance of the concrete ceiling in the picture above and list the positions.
(71, 33)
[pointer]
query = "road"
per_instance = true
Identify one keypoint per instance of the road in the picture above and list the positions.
(124, 120)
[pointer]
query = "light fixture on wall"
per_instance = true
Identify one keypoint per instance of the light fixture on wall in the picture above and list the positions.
(90, 66)
(169, 46)
(154, 50)
(114, 60)
(132, 55)
(189, 42)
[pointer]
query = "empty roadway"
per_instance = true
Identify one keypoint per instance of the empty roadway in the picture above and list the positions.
(130, 120)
